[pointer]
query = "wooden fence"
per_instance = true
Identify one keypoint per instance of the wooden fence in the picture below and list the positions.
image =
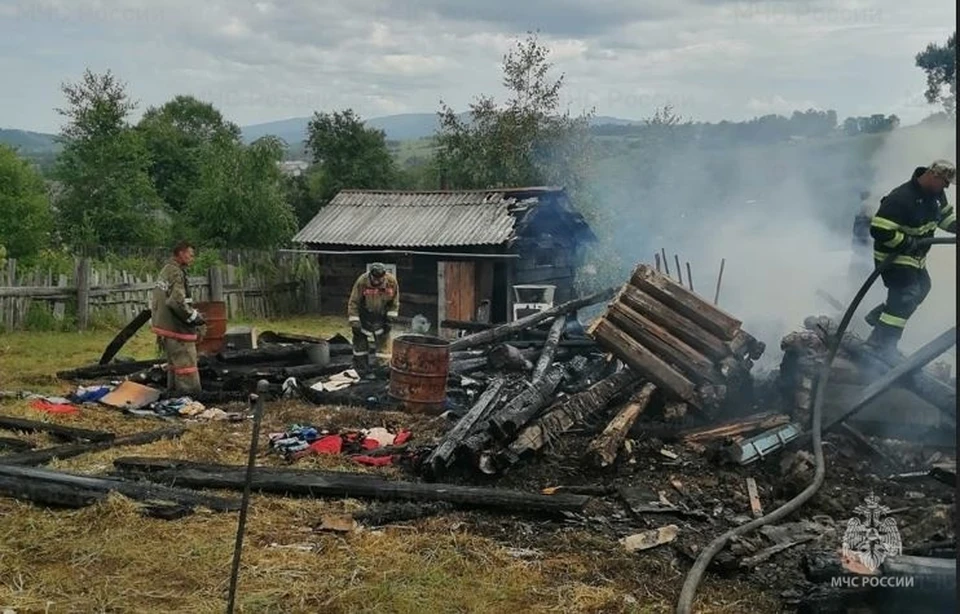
(96, 292)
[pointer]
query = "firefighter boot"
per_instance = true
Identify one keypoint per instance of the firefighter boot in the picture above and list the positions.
(884, 339)
(361, 363)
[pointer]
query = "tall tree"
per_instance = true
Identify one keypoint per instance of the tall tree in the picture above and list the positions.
(239, 200)
(175, 135)
(106, 198)
(348, 154)
(25, 219)
(940, 65)
(526, 141)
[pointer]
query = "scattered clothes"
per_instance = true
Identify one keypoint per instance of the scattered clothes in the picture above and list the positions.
(338, 381)
(51, 406)
(299, 441)
(90, 394)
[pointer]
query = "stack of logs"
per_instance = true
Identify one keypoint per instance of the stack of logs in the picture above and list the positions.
(690, 349)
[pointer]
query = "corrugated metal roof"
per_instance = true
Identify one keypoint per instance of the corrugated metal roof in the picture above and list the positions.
(364, 218)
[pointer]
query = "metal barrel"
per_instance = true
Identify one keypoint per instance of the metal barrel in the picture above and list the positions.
(215, 313)
(419, 365)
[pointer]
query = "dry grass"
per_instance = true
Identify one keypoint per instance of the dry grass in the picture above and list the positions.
(110, 558)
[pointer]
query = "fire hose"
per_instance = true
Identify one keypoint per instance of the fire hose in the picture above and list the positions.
(695, 575)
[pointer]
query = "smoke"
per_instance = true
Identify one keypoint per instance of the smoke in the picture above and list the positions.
(780, 217)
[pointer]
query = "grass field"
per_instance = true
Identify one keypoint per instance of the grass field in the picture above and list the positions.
(109, 558)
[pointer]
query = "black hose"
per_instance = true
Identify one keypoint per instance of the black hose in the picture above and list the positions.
(694, 576)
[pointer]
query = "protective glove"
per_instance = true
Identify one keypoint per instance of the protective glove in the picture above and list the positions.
(196, 319)
(909, 246)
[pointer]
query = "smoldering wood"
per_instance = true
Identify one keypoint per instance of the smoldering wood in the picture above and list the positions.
(59, 431)
(340, 485)
(681, 327)
(549, 349)
(564, 415)
(442, 457)
(40, 457)
(860, 439)
(734, 427)
(646, 363)
(504, 331)
(465, 354)
(309, 371)
(603, 450)
(687, 303)
(58, 487)
(505, 424)
(668, 347)
(744, 346)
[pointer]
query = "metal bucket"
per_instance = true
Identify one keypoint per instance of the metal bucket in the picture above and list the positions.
(319, 353)
(418, 373)
(215, 313)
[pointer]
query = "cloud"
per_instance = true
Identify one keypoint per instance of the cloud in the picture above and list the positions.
(265, 59)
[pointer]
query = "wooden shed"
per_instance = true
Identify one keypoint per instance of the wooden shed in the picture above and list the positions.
(458, 255)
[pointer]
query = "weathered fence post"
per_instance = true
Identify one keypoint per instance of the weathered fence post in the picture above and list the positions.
(83, 293)
(216, 284)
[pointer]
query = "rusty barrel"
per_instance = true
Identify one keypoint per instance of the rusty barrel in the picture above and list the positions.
(215, 313)
(419, 365)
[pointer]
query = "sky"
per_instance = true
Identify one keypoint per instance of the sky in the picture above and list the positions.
(269, 60)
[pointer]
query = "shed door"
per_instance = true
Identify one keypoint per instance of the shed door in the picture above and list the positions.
(458, 296)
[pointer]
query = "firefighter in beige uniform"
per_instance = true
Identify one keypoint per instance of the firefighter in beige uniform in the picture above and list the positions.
(373, 306)
(176, 323)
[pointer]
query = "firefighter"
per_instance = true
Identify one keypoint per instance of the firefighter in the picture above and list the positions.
(910, 212)
(373, 306)
(176, 323)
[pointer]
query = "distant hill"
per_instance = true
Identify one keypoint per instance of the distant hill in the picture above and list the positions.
(32, 143)
(403, 127)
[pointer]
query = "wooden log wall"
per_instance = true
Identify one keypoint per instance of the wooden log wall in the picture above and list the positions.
(669, 335)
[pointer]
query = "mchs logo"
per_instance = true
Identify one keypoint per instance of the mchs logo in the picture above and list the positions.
(872, 538)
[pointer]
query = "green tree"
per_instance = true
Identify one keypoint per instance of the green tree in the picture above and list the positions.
(175, 135)
(348, 154)
(25, 218)
(940, 65)
(239, 200)
(106, 197)
(527, 141)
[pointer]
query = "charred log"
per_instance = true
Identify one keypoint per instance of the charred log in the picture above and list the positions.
(602, 451)
(40, 457)
(59, 431)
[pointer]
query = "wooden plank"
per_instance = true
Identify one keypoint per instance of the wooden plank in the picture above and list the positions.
(645, 362)
(681, 327)
(83, 293)
(665, 345)
(602, 451)
(685, 302)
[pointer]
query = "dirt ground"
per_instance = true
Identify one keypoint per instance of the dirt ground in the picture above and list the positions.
(409, 558)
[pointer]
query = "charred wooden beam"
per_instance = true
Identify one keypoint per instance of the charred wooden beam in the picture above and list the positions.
(309, 371)
(339, 485)
(549, 349)
(507, 357)
(658, 340)
(16, 445)
(293, 355)
(689, 304)
(441, 458)
(506, 330)
(734, 427)
(646, 363)
(113, 369)
(462, 325)
(603, 450)
(564, 415)
(683, 328)
(59, 431)
(505, 424)
(73, 490)
(40, 457)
